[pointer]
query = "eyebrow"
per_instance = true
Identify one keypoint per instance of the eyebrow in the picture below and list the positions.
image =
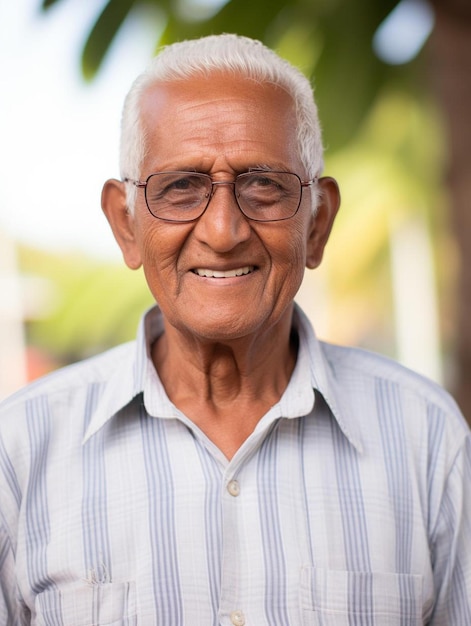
(268, 168)
(257, 167)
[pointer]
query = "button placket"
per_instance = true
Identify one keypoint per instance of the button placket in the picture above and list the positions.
(233, 506)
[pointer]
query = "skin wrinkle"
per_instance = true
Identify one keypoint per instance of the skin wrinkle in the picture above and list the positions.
(214, 378)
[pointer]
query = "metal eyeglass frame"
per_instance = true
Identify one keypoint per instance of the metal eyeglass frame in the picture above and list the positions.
(143, 185)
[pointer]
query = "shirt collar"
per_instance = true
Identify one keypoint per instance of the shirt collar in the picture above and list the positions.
(136, 375)
(312, 358)
(129, 378)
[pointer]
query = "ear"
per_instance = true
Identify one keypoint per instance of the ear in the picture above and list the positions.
(322, 221)
(113, 203)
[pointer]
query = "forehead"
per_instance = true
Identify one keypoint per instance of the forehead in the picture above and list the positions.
(201, 87)
(219, 112)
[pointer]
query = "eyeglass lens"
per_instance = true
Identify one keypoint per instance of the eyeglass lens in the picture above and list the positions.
(262, 196)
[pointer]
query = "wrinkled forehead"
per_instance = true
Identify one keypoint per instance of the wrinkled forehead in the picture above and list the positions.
(217, 105)
(219, 114)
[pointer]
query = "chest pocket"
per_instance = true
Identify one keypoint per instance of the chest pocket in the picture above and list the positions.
(339, 598)
(109, 604)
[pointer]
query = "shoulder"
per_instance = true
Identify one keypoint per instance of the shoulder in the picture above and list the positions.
(47, 419)
(380, 390)
(69, 381)
(357, 363)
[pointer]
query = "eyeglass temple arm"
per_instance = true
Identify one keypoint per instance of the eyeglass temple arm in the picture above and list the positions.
(308, 183)
(136, 183)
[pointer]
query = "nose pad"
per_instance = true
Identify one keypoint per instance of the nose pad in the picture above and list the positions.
(217, 183)
(223, 225)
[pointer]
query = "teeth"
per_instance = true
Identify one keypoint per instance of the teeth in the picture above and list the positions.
(240, 271)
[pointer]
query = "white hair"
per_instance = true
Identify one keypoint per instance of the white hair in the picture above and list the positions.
(228, 53)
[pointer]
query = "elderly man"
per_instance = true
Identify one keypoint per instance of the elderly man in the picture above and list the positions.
(228, 468)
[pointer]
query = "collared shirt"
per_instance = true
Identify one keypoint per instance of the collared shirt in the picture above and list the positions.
(349, 504)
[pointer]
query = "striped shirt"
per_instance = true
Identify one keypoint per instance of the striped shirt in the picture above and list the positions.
(349, 504)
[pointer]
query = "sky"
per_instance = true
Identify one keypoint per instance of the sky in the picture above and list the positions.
(58, 135)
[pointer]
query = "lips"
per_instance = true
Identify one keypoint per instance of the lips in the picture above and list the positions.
(239, 271)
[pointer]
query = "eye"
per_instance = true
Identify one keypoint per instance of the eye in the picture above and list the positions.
(261, 187)
(174, 186)
(180, 183)
(261, 180)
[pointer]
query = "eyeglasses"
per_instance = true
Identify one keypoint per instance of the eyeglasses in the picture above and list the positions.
(262, 196)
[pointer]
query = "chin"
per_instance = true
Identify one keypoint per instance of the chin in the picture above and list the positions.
(224, 328)
(222, 333)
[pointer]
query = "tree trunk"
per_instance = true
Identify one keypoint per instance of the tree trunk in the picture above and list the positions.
(450, 48)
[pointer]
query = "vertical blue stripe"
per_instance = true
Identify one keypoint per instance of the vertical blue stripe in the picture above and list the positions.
(213, 528)
(460, 602)
(355, 531)
(36, 504)
(37, 518)
(163, 540)
(9, 472)
(272, 544)
(436, 426)
(398, 474)
(459, 598)
(301, 445)
(96, 541)
(5, 546)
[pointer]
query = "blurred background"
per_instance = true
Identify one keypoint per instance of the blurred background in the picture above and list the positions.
(393, 86)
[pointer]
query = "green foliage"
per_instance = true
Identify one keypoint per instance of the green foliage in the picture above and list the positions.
(46, 4)
(347, 75)
(102, 34)
(91, 305)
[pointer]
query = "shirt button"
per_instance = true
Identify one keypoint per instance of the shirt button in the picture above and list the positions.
(233, 488)
(237, 618)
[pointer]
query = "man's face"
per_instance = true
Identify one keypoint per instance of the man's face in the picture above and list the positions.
(221, 126)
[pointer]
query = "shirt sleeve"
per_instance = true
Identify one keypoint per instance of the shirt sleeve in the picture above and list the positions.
(451, 546)
(12, 612)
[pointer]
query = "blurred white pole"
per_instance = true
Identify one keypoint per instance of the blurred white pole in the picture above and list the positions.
(12, 342)
(314, 300)
(415, 301)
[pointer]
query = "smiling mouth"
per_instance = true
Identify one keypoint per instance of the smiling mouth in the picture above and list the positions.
(239, 271)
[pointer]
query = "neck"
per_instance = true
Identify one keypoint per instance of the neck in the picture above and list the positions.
(226, 387)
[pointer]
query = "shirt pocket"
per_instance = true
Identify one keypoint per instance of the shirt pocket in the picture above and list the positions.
(340, 598)
(107, 604)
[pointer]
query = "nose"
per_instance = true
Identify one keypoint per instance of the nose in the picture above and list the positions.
(223, 225)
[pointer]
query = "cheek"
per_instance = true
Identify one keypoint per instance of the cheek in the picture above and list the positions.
(159, 262)
(161, 246)
(289, 248)
(152, 250)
